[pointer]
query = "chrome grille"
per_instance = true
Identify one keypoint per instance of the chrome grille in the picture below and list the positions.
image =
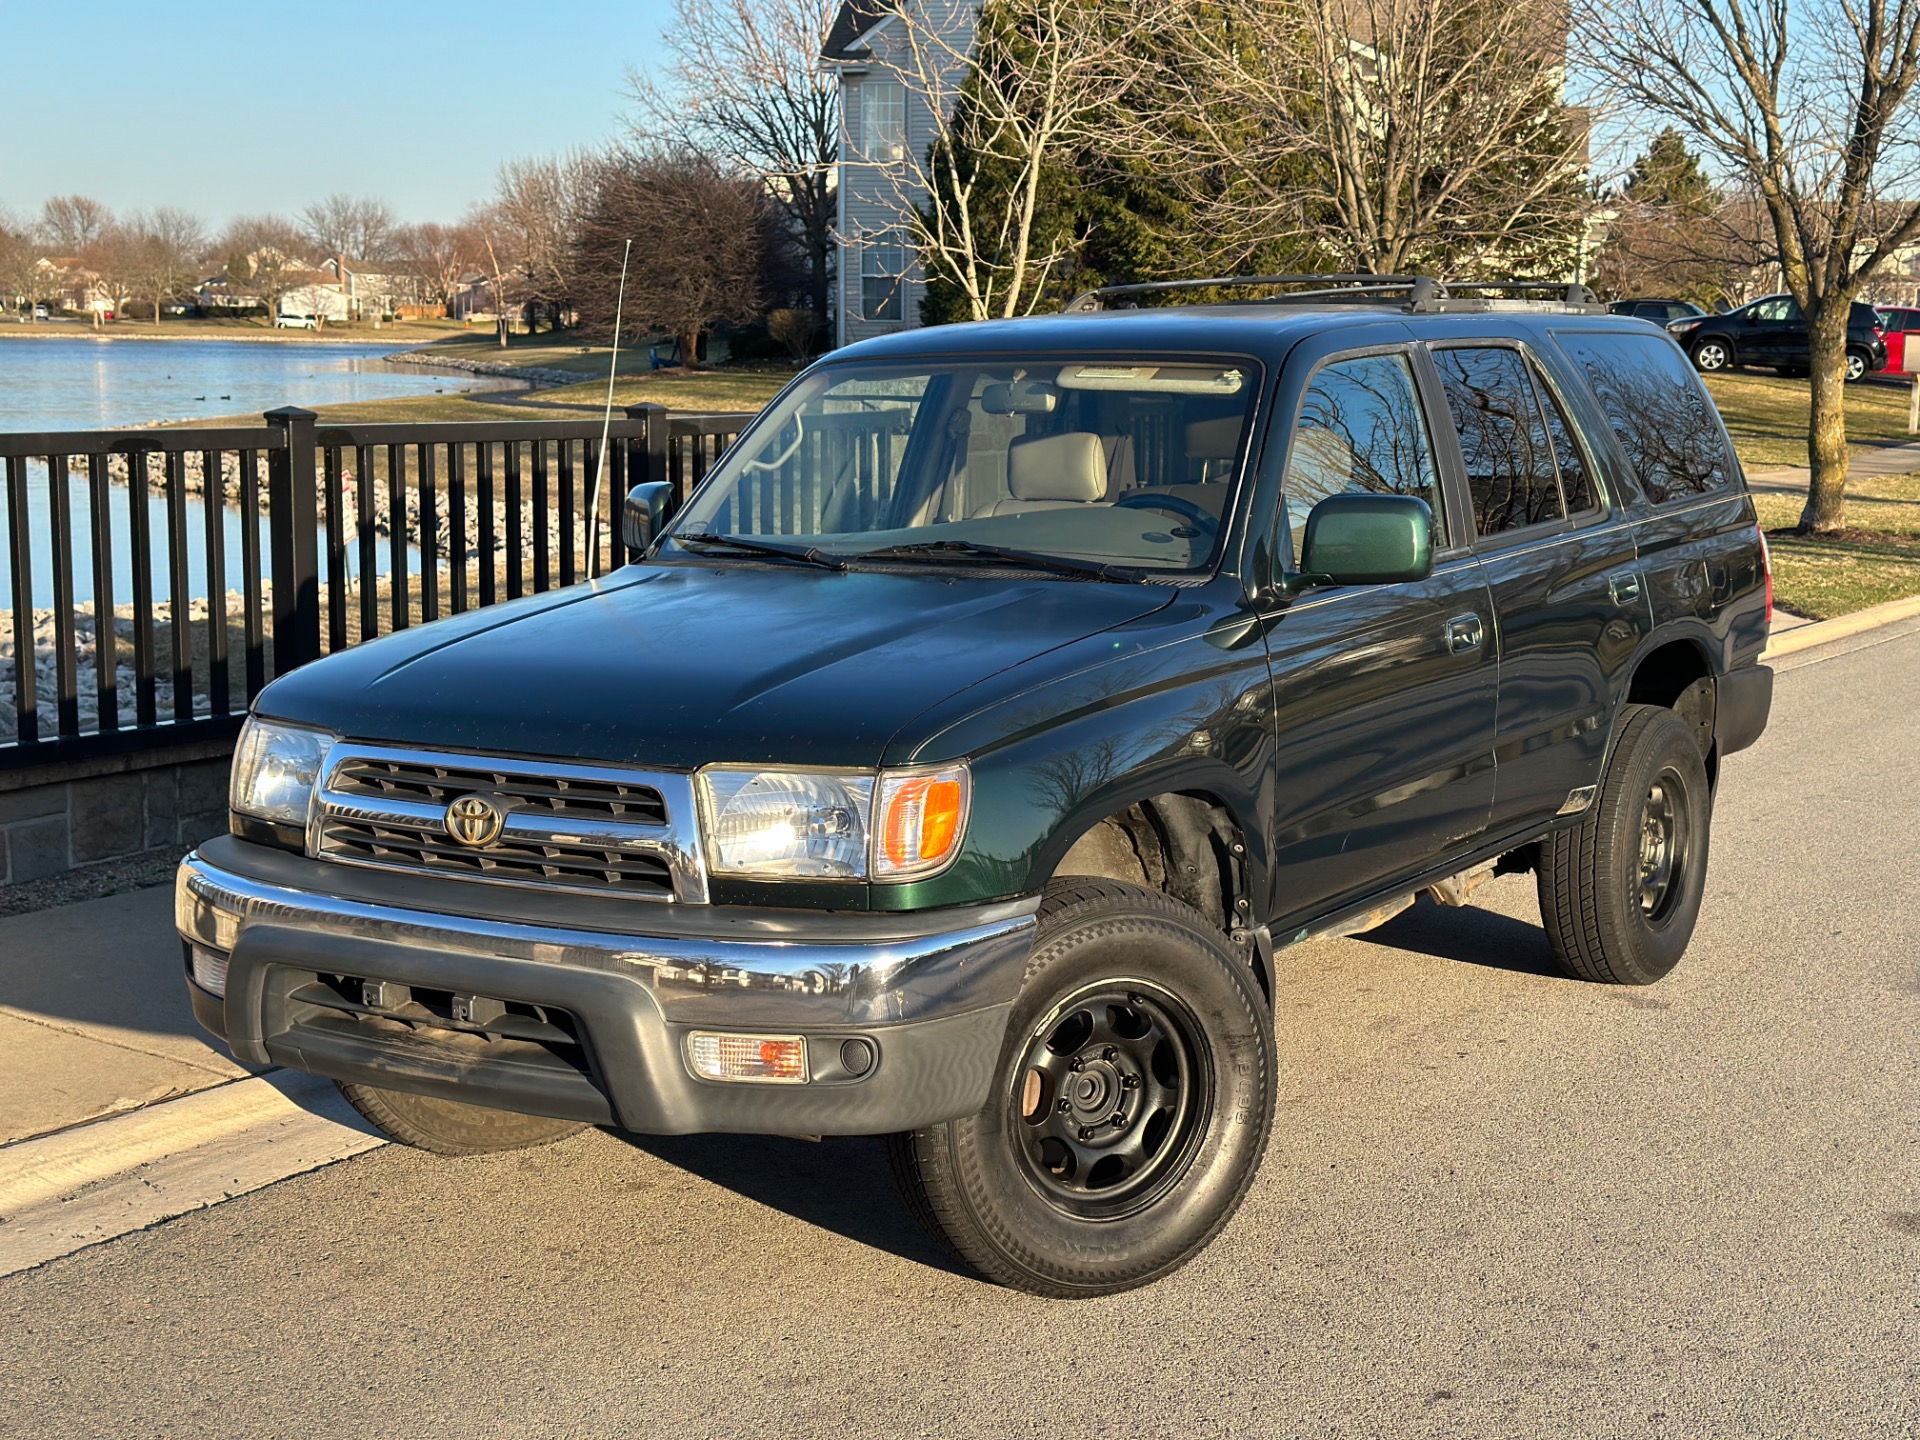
(572, 827)
(439, 784)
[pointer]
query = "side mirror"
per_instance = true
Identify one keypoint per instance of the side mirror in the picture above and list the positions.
(1368, 540)
(648, 507)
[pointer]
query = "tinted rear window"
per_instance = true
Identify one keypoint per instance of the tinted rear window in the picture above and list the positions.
(1657, 410)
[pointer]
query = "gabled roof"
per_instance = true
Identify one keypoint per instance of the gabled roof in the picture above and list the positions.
(855, 19)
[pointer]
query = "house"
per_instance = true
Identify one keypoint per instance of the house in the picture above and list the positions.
(886, 116)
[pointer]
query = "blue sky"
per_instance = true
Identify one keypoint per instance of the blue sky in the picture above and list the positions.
(235, 108)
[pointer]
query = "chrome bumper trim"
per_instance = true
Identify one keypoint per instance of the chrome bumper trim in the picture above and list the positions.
(741, 983)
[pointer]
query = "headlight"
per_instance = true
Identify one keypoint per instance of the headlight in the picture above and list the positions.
(855, 825)
(275, 768)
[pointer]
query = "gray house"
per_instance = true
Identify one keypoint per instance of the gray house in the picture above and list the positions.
(889, 85)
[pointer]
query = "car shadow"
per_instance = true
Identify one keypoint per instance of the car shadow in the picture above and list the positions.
(839, 1184)
(1468, 934)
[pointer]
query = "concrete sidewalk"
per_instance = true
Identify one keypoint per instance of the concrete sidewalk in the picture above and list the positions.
(1866, 465)
(94, 1016)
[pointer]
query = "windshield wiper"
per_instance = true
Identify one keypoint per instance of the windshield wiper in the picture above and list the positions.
(811, 555)
(1026, 559)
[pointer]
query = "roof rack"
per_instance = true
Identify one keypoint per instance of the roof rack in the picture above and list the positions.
(1417, 294)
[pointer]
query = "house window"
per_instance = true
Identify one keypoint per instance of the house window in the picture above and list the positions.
(883, 120)
(883, 261)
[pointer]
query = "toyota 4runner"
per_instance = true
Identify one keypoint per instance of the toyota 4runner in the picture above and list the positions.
(958, 761)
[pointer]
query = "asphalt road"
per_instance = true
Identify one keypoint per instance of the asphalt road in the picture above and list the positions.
(1497, 1203)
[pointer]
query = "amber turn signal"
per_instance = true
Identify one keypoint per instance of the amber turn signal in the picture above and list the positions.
(921, 820)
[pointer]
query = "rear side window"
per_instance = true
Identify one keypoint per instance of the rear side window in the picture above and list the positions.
(1657, 411)
(1511, 471)
(1360, 430)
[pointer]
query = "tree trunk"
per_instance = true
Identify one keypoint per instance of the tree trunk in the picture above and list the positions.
(1827, 418)
(690, 350)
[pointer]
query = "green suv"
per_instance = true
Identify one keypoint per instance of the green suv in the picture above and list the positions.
(958, 761)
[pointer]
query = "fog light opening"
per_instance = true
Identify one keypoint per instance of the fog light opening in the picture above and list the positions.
(209, 970)
(766, 1059)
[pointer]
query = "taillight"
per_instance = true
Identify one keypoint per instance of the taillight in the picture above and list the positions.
(1766, 566)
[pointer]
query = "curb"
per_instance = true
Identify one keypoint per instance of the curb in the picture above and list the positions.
(1821, 632)
(74, 1188)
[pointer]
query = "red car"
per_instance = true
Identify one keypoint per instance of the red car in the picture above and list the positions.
(1897, 321)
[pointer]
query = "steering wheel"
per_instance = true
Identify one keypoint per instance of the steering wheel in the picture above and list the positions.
(1172, 504)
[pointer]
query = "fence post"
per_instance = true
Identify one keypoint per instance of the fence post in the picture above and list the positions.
(293, 525)
(655, 440)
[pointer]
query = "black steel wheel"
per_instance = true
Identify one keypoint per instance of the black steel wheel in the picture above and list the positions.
(1133, 1098)
(1620, 891)
(1114, 1092)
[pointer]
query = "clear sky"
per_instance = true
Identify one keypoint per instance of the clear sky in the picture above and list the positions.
(230, 108)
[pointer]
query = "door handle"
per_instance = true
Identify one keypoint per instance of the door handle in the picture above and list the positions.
(1625, 589)
(1464, 633)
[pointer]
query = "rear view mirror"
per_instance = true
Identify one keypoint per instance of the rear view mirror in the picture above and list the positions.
(1368, 540)
(648, 507)
(1019, 397)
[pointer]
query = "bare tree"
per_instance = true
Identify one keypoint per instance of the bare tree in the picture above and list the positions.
(745, 83)
(262, 256)
(71, 223)
(700, 236)
(1813, 111)
(1010, 96)
(1389, 134)
(537, 208)
(437, 255)
(349, 227)
(19, 263)
(163, 248)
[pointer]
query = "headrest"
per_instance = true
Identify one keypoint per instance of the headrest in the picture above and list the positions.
(1214, 439)
(1072, 466)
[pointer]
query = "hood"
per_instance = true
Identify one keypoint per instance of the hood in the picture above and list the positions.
(677, 666)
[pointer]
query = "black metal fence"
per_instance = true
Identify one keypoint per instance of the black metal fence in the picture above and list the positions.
(217, 559)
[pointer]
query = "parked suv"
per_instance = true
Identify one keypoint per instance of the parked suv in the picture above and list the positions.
(1661, 312)
(1772, 332)
(960, 761)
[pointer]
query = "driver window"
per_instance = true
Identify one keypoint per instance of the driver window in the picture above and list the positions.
(1361, 431)
(1780, 308)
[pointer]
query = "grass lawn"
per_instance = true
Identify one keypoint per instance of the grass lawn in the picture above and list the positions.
(1877, 558)
(1767, 416)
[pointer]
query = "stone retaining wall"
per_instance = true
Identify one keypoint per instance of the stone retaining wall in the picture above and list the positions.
(106, 809)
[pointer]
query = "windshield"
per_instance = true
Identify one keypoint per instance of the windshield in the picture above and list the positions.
(1124, 462)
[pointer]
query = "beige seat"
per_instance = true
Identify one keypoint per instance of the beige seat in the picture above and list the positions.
(1052, 472)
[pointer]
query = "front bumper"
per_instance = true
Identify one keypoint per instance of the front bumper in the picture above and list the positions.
(564, 1015)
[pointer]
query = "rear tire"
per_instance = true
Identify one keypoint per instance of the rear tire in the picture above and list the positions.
(1856, 365)
(1130, 1107)
(450, 1127)
(1620, 892)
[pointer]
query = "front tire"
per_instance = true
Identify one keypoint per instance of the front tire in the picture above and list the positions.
(1620, 892)
(1130, 1107)
(450, 1127)
(1711, 356)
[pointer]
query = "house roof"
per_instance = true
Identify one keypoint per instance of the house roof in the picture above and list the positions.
(855, 19)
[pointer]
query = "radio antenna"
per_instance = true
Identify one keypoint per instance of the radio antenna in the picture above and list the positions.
(606, 422)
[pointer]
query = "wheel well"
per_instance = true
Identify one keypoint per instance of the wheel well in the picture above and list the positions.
(1185, 845)
(1678, 677)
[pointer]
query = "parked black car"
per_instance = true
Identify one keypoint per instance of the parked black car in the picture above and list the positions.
(961, 759)
(1772, 332)
(1661, 312)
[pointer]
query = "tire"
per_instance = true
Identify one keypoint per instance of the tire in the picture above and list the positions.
(1711, 356)
(1856, 365)
(1620, 892)
(1133, 1005)
(450, 1127)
